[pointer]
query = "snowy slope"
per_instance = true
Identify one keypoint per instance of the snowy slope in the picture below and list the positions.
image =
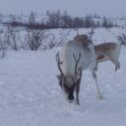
(30, 94)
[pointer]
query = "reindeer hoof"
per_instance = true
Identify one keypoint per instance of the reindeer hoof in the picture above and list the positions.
(77, 103)
(117, 67)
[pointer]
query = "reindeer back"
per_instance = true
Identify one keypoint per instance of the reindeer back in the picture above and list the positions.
(87, 61)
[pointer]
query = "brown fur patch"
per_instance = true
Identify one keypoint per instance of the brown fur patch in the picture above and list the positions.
(100, 57)
(82, 39)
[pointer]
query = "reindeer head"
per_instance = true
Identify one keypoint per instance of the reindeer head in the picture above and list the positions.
(68, 83)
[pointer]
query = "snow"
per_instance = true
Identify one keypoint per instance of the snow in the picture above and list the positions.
(30, 94)
(29, 90)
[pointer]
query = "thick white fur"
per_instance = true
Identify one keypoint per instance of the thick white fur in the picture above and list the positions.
(87, 60)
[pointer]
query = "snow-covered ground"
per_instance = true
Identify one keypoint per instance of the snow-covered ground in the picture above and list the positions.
(30, 94)
(29, 90)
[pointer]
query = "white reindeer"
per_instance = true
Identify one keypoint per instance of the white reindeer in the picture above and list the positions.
(76, 55)
(109, 51)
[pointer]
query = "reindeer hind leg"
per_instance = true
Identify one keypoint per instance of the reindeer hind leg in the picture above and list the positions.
(117, 66)
(99, 94)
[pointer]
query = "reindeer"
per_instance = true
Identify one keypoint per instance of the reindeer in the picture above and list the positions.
(109, 51)
(73, 58)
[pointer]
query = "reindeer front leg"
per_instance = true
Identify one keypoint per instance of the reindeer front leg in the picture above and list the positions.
(77, 92)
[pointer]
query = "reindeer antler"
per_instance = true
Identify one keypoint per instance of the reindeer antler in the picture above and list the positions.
(76, 61)
(59, 63)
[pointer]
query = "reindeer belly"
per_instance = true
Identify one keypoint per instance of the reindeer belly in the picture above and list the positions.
(102, 58)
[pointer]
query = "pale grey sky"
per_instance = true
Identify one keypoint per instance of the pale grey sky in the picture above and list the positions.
(114, 8)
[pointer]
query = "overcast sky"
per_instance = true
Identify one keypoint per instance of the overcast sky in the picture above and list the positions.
(114, 8)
